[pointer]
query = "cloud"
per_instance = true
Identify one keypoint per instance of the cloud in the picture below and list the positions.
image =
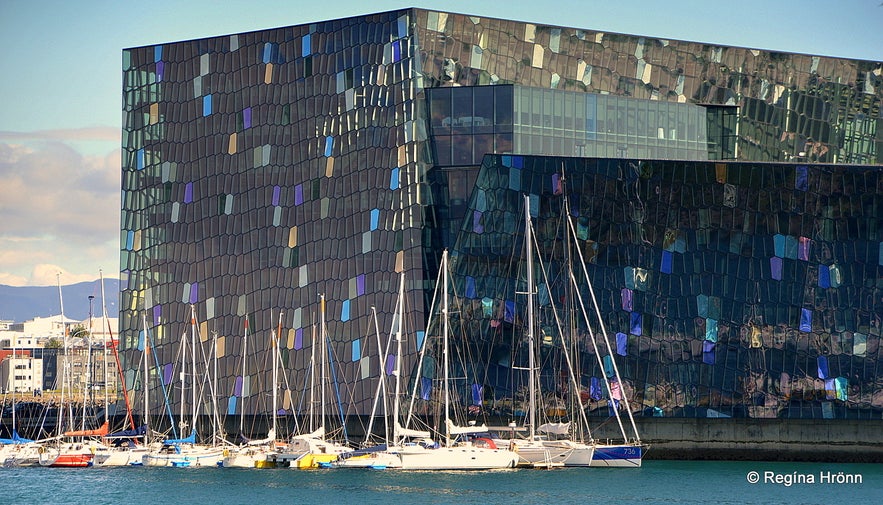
(60, 209)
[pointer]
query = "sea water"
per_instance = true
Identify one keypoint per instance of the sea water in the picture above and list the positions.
(657, 482)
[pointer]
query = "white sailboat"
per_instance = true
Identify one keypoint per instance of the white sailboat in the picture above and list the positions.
(186, 452)
(461, 449)
(257, 453)
(629, 452)
(542, 450)
(313, 449)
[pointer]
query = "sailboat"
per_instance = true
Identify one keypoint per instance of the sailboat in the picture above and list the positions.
(313, 449)
(186, 452)
(17, 450)
(629, 452)
(463, 447)
(257, 453)
(541, 450)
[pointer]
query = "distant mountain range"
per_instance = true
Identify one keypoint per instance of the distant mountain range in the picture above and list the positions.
(22, 303)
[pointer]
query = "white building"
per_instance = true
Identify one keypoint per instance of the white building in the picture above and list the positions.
(21, 374)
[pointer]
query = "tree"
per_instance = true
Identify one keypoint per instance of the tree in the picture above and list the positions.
(53, 343)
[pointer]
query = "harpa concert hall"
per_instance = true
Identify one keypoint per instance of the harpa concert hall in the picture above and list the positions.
(726, 205)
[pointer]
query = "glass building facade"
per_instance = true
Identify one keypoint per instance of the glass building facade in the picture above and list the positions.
(729, 197)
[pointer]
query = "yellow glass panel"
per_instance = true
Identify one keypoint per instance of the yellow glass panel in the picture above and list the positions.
(286, 399)
(136, 242)
(268, 74)
(292, 236)
(221, 346)
(291, 335)
(400, 262)
(720, 172)
(154, 113)
(329, 166)
(203, 331)
(231, 146)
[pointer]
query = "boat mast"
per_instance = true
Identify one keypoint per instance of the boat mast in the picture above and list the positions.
(276, 358)
(244, 358)
(531, 372)
(323, 359)
(445, 328)
(398, 358)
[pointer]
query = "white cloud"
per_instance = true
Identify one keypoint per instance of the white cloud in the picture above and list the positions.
(60, 207)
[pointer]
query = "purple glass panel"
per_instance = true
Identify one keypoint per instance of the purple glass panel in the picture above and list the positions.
(622, 343)
(776, 268)
(194, 292)
(167, 373)
(801, 181)
(299, 339)
(237, 386)
(470, 287)
(509, 314)
(276, 191)
(822, 362)
(824, 276)
(246, 117)
(803, 248)
(157, 314)
(665, 267)
(390, 364)
(636, 323)
(476, 222)
(160, 69)
(708, 352)
(360, 285)
(556, 184)
(626, 295)
(188, 192)
(299, 194)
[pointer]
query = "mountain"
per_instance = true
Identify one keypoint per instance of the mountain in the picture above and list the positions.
(22, 303)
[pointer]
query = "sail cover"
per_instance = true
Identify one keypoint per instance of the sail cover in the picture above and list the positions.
(137, 432)
(555, 428)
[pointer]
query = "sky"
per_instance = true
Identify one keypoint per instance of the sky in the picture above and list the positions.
(60, 91)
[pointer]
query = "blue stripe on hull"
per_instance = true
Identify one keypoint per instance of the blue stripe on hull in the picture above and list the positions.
(617, 455)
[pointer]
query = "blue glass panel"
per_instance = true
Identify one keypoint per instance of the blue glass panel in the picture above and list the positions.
(139, 159)
(487, 307)
(609, 371)
(622, 343)
(543, 296)
(345, 311)
(419, 340)
(824, 276)
(801, 181)
(515, 179)
(402, 26)
(206, 105)
(305, 47)
(509, 314)
(329, 146)
(779, 245)
(841, 388)
(357, 350)
(880, 256)
(711, 330)
(708, 352)
(480, 200)
(470, 286)
(518, 161)
(636, 326)
(665, 267)
(534, 205)
(394, 179)
(157, 53)
(822, 362)
(130, 240)
(231, 405)
(375, 219)
(425, 388)
(477, 394)
(396, 50)
(506, 160)
(141, 340)
(595, 389)
(268, 52)
(776, 268)
(805, 320)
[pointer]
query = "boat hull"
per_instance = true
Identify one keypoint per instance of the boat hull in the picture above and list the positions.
(621, 456)
(466, 457)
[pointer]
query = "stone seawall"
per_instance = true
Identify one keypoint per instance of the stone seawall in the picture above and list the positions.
(840, 440)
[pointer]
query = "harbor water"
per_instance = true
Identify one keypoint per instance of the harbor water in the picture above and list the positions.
(657, 482)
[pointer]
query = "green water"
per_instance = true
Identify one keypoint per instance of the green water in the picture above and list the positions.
(657, 482)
